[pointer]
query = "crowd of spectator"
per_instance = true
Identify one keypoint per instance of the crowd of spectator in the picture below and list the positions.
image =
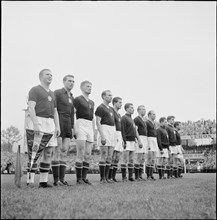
(200, 127)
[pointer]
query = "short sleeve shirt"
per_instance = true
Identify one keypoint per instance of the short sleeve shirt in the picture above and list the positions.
(64, 104)
(106, 114)
(117, 121)
(151, 129)
(45, 101)
(142, 127)
(84, 108)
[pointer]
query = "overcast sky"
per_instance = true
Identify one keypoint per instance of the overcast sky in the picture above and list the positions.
(159, 54)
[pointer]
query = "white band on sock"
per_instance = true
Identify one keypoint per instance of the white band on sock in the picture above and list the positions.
(27, 175)
(32, 178)
(43, 177)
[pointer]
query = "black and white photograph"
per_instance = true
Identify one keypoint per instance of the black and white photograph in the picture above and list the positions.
(108, 109)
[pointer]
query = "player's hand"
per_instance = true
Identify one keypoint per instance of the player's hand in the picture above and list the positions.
(36, 129)
(103, 141)
(124, 145)
(73, 134)
(57, 131)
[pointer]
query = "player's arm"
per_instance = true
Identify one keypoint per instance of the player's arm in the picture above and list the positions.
(123, 128)
(74, 128)
(138, 138)
(93, 123)
(31, 105)
(99, 127)
(159, 140)
(56, 122)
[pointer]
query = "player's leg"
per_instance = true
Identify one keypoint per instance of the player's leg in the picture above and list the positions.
(80, 146)
(125, 158)
(138, 158)
(148, 164)
(63, 158)
(102, 163)
(108, 163)
(86, 162)
(116, 159)
(141, 167)
(164, 163)
(175, 168)
(110, 174)
(153, 158)
(131, 165)
(180, 165)
(45, 167)
(159, 166)
(55, 164)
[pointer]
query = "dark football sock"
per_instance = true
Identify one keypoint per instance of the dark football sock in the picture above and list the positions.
(62, 170)
(55, 165)
(78, 167)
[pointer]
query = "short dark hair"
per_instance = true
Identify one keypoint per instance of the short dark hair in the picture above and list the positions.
(104, 93)
(177, 123)
(85, 82)
(170, 117)
(115, 100)
(162, 119)
(42, 71)
(65, 77)
(127, 105)
(138, 108)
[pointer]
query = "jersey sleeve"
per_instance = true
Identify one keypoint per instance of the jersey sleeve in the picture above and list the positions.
(159, 139)
(99, 112)
(33, 95)
(123, 127)
(136, 121)
(76, 103)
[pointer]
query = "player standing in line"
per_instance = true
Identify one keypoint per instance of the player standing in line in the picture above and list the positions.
(84, 131)
(152, 144)
(173, 150)
(105, 122)
(65, 109)
(141, 152)
(180, 150)
(163, 144)
(117, 104)
(44, 118)
(129, 134)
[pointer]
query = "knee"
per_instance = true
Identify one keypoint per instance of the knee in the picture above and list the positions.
(87, 157)
(47, 154)
(109, 158)
(131, 160)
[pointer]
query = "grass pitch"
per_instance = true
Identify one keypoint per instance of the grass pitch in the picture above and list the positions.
(191, 197)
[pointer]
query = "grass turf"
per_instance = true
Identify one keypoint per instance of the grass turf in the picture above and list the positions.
(191, 197)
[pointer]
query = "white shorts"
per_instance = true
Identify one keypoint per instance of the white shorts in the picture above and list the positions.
(109, 134)
(45, 125)
(173, 149)
(152, 144)
(144, 148)
(84, 130)
(165, 153)
(130, 145)
(178, 147)
(179, 152)
(119, 142)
